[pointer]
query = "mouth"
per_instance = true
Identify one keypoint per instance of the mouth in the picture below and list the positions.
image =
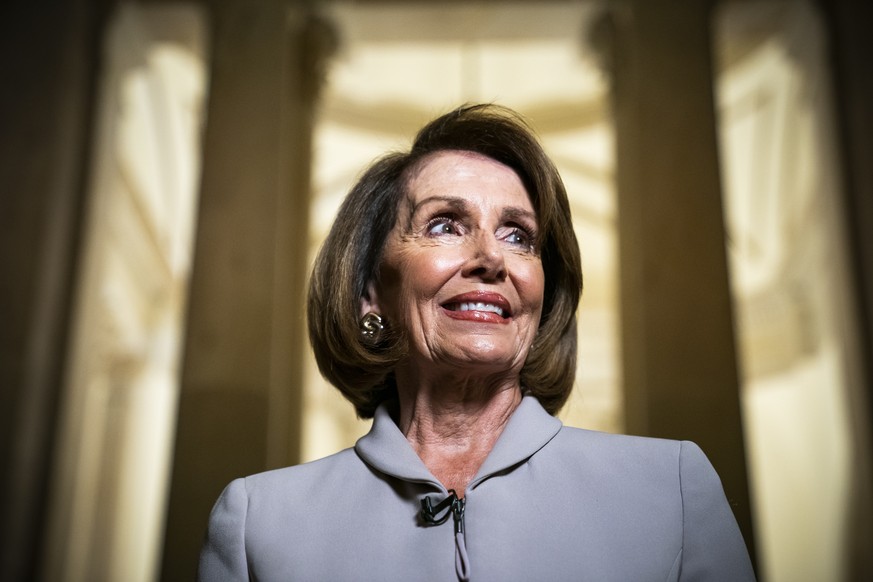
(478, 305)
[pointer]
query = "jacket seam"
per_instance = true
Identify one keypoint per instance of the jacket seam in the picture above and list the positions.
(246, 529)
(682, 500)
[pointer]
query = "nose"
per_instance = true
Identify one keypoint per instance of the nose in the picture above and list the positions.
(486, 259)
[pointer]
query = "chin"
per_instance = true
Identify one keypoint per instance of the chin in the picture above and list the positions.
(489, 355)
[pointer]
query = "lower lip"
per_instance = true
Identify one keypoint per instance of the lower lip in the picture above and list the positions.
(477, 316)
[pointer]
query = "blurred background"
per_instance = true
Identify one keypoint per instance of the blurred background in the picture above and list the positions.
(169, 169)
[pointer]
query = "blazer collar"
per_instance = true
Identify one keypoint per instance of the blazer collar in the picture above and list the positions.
(528, 430)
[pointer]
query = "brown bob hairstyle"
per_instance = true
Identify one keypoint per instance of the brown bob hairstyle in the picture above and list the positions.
(349, 259)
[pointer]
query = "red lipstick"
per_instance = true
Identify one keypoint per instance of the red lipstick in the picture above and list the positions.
(481, 306)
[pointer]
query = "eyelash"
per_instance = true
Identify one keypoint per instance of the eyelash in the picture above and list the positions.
(441, 220)
(527, 237)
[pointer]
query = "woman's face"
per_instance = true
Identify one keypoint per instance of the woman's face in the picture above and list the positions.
(461, 272)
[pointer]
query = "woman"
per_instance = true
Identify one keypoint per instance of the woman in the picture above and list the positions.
(443, 305)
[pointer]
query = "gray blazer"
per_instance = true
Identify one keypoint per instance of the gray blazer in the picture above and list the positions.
(549, 503)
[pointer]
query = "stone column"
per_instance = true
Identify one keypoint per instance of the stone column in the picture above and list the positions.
(680, 370)
(48, 64)
(240, 401)
(852, 51)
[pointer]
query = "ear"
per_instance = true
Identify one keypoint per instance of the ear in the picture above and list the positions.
(370, 301)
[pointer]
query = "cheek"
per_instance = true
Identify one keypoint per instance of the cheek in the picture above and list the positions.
(531, 283)
(424, 273)
(412, 277)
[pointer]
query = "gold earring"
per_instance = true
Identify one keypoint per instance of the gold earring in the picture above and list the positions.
(372, 327)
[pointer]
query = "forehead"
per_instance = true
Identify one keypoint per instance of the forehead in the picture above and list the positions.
(466, 175)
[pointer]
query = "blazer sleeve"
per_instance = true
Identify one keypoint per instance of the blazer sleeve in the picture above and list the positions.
(223, 556)
(712, 548)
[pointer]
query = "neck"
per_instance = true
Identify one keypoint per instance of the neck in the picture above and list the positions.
(453, 423)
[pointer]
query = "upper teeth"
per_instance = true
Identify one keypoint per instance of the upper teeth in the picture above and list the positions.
(480, 307)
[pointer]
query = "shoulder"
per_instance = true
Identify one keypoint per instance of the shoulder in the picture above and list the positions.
(274, 503)
(642, 460)
(244, 494)
(595, 446)
(303, 478)
(591, 442)
(260, 520)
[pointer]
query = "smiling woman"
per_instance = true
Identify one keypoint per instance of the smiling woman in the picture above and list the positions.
(443, 305)
(441, 201)
(463, 278)
(445, 273)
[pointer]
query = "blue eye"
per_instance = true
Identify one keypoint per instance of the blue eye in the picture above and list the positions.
(519, 237)
(441, 225)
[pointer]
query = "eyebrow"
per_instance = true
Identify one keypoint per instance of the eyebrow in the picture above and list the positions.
(516, 213)
(460, 204)
(454, 202)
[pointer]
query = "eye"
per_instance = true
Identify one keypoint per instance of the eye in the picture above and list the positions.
(442, 225)
(518, 236)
